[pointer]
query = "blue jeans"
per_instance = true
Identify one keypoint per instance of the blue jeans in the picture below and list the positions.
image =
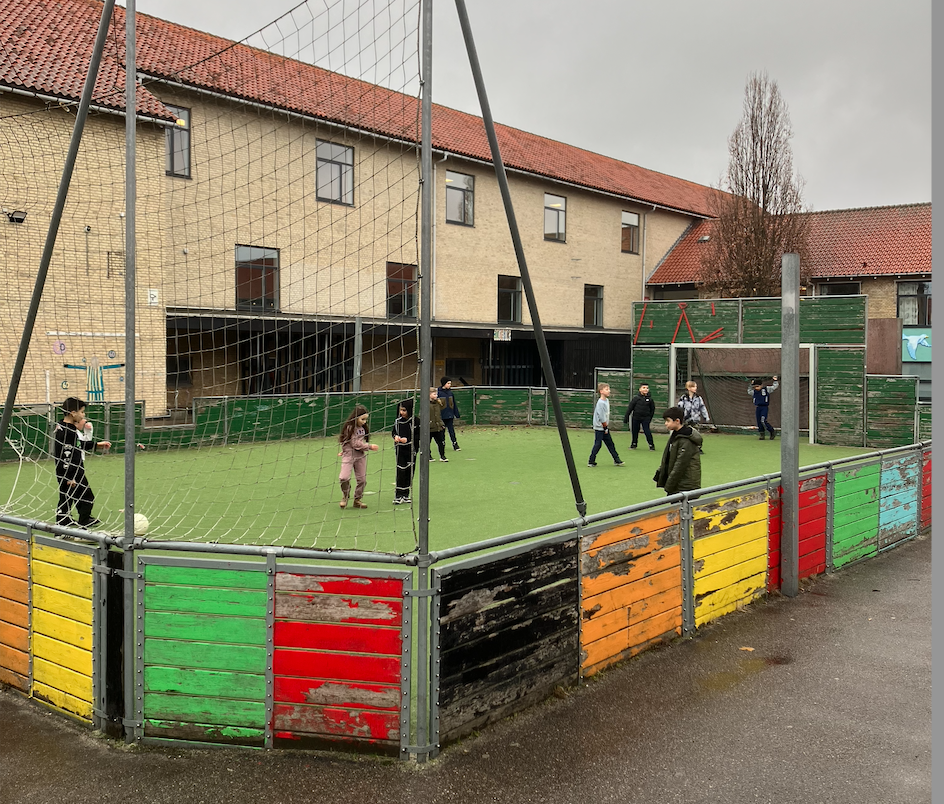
(452, 432)
(644, 423)
(760, 411)
(601, 437)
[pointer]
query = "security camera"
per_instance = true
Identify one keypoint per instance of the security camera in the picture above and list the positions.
(88, 229)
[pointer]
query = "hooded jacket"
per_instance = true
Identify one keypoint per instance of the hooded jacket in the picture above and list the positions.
(640, 407)
(680, 469)
(408, 428)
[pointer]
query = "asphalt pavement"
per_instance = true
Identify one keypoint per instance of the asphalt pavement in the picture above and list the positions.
(822, 698)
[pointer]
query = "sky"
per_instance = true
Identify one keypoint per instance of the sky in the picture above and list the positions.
(661, 84)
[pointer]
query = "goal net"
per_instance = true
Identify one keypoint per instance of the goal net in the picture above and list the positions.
(724, 374)
(277, 251)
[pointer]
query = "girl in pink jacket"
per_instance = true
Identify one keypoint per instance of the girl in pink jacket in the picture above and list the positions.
(354, 447)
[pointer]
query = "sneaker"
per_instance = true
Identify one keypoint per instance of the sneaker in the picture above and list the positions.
(359, 503)
(397, 500)
(619, 463)
(405, 500)
(456, 448)
(761, 437)
(632, 446)
(652, 447)
(591, 464)
(773, 435)
(67, 523)
(93, 522)
(444, 459)
(343, 503)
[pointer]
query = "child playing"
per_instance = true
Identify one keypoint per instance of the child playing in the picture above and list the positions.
(73, 438)
(406, 437)
(450, 409)
(354, 447)
(641, 409)
(601, 427)
(680, 469)
(761, 395)
(693, 406)
(437, 430)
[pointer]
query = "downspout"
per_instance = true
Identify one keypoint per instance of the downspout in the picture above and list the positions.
(645, 234)
(432, 278)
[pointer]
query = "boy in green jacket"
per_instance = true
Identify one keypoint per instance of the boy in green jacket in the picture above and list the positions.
(680, 469)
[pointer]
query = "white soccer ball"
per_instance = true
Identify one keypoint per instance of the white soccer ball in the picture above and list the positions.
(141, 524)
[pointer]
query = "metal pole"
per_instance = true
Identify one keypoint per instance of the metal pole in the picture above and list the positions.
(424, 669)
(519, 252)
(52, 232)
(358, 352)
(790, 424)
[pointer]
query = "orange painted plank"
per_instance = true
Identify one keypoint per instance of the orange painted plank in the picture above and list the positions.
(651, 564)
(17, 547)
(649, 524)
(631, 591)
(604, 623)
(14, 680)
(14, 636)
(15, 660)
(630, 641)
(13, 566)
(618, 553)
(15, 589)
(14, 613)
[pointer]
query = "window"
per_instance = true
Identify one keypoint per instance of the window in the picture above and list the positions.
(593, 305)
(509, 299)
(177, 141)
(555, 217)
(914, 303)
(401, 290)
(838, 289)
(257, 278)
(460, 198)
(629, 234)
(334, 177)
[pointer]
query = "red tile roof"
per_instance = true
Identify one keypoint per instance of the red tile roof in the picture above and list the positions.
(47, 45)
(872, 241)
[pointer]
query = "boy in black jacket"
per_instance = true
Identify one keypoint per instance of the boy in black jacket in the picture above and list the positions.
(641, 409)
(73, 438)
(406, 437)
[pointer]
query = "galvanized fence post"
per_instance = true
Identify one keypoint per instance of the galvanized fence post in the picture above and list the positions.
(271, 570)
(830, 514)
(688, 566)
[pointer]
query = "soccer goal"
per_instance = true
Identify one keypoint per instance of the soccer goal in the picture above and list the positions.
(724, 373)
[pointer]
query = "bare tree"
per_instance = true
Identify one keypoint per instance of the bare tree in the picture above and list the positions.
(760, 216)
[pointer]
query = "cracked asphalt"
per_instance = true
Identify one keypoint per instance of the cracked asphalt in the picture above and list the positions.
(831, 704)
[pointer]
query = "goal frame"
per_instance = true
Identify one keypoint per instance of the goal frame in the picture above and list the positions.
(811, 347)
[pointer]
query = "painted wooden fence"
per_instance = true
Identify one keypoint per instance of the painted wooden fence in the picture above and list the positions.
(855, 513)
(899, 511)
(506, 631)
(729, 553)
(14, 610)
(631, 588)
(926, 489)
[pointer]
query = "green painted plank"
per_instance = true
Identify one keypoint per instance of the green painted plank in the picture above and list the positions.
(210, 683)
(866, 514)
(200, 600)
(205, 628)
(195, 709)
(174, 730)
(861, 551)
(206, 655)
(502, 406)
(206, 576)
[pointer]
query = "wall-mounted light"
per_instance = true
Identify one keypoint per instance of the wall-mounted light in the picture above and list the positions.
(15, 215)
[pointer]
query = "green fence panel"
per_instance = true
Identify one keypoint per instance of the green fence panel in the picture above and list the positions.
(659, 322)
(620, 381)
(210, 417)
(833, 319)
(890, 411)
(760, 320)
(30, 432)
(924, 421)
(539, 406)
(840, 396)
(651, 366)
(855, 513)
(502, 405)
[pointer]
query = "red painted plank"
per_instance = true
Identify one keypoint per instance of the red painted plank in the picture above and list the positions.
(339, 694)
(346, 638)
(813, 483)
(338, 609)
(290, 721)
(341, 666)
(810, 513)
(812, 564)
(339, 585)
(814, 530)
(774, 528)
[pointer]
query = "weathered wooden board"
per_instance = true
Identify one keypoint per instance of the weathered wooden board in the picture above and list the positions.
(57, 677)
(338, 666)
(211, 683)
(14, 613)
(205, 600)
(890, 411)
(204, 577)
(209, 732)
(774, 533)
(204, 655)
(205, 628)
(52, 600)
(338, 694)
(44, 554)
(62, 579)
(502, 405)
(927, 490)
(345, 585)
(338, 608)
(77, 660)
(899, 501)
(61, 699)
(63, 629)
(840, 397)
(14, 660)
(811, 520)
(293, 720)
(201, 709)
(330, 636)
(514, 659)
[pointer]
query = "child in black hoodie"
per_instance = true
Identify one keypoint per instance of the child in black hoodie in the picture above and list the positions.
(641, 409)
(406, 438)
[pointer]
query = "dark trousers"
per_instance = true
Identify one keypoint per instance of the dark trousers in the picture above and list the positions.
(760, 411)
(405, 468)
(601, 437)
(644, 423)
(440, 439)
(80, 495)
(452, 432)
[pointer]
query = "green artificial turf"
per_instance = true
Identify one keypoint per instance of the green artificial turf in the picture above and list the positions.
(504, 480)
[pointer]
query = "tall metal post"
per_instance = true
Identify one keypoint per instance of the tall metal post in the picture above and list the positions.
(519, 252)
(358, 352)
(423, 658)
(790, 424)
(77, 129)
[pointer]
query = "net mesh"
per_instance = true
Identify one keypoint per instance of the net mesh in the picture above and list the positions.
(276, 263)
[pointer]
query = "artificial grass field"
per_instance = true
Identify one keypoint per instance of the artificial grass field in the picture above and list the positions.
(504, 480)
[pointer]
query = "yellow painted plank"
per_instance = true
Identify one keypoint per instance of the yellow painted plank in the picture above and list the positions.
(711, 545)
(77, 608)
(730, 504)
(604, 623)
(730, 520)
(729, 599)
(712, 582)
(63, 700)
(65, 580)
(631, 641)
(630, 530)
(650, 564)
(63, 629)
(62, 558)
(62, 678)
(65, 655)
(17, 547)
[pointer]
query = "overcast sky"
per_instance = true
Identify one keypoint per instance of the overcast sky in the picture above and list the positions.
(661, 84)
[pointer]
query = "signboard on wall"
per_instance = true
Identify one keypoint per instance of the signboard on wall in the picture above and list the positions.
(503, 334)
(916, 345)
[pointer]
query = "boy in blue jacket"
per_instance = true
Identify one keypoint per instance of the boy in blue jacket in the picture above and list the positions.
(761, 395)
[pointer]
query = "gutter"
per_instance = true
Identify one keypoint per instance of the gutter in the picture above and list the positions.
(65, 103)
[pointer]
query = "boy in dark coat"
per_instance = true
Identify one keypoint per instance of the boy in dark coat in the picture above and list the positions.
(761, 396)
(406, 437)
(73, 438)
(450, 410)
(641, 409)
(680, 469)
